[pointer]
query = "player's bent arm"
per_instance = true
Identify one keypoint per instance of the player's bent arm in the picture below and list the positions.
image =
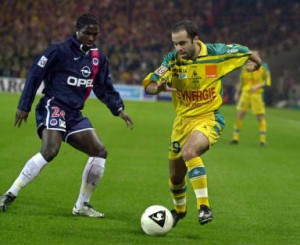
(152, 87)
(155, 88)
(254, 57)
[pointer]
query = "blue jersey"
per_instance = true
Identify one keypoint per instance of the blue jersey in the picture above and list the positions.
(67, 73)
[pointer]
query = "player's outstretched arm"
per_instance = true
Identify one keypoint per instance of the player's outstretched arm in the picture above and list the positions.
(20, 117)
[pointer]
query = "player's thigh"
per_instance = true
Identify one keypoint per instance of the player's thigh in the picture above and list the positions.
(191, 137)
(88, 142)
(196, 144)
(244, 102)
(258, 105)
(51, 142)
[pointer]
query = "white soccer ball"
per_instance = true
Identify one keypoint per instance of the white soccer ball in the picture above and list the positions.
(156, 220)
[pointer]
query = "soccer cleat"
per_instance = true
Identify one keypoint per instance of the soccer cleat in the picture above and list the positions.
(87, 210)
(6, 200)
(234, 142)
(205, 215)
(177, 216)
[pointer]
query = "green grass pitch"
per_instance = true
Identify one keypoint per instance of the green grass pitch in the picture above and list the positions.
(254, 191)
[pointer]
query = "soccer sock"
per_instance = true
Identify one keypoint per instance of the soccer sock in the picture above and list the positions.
(197, 175)
(31, 169)
(263, 130)
(92, 174)
(236, 131)
(178, 193)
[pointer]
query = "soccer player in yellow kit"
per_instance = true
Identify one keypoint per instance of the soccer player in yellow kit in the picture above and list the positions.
(193, 73)
(250, 94)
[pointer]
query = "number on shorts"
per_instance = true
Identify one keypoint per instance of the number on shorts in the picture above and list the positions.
(57, 112)
(175, 146)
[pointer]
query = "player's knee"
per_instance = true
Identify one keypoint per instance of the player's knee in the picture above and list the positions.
(188, 153)
(50, 153)
(175, 179)
(99, 152)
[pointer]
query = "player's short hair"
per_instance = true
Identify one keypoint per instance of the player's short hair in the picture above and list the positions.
(187, 25)
(85, 20)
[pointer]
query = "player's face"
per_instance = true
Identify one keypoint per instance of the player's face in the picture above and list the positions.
(88, 35)
(184, 45)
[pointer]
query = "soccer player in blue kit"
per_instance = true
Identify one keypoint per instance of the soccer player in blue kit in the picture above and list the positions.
(70, 70)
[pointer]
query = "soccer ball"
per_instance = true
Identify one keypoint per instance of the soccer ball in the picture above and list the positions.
(156, 220)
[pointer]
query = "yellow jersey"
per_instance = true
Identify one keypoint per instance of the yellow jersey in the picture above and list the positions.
(199, 82)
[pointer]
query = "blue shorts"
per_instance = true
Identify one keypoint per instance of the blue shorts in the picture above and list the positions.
(53, 115)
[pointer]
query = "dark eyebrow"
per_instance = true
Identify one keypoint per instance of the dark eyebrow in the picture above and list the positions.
(180, 42)
(90, 33)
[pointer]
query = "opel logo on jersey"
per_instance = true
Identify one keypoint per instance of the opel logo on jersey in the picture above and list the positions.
(86, 71)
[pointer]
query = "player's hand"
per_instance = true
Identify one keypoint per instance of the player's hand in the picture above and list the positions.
(20, 117)
(256, 87)
(252, 66)
(126, 118)
(163, 86)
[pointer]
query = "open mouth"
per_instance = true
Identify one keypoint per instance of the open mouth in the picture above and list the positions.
(183, 55)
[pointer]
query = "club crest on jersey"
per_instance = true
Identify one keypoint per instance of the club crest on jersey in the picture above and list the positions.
(53, 122)
(182, 76)
(42, 62)
(161, 70)
(86, 71)
(95, 61)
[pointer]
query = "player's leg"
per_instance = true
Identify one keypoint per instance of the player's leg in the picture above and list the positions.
(178, 187)
(50, 119)
(262, 125)
(196, 145)
(238, 124)
(87, 141)
(258, 108)
(51, 141)
(243, 106)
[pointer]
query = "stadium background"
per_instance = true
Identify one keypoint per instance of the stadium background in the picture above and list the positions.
(135, 34)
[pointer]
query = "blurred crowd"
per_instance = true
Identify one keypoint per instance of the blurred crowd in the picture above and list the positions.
(136, 33)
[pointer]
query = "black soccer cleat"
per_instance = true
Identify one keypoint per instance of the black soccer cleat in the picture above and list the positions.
(6, 200)
(177, 216)
(234, 142)
(205, 215)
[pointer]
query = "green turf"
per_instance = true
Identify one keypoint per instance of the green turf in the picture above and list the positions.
(254, 191)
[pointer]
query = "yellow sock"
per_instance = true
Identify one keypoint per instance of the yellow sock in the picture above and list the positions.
(236, 131)
(263, 131)
(197, 175)
(178, 193)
